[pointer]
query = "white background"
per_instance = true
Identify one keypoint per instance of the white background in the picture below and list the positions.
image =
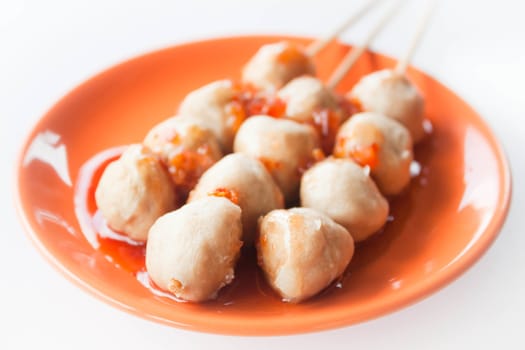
(47, 47)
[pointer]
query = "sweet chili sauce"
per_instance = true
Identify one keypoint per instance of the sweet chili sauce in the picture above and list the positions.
(231, 195)
(120, 250)
(292, 53)
(363, 155)
(185, 161)
(362, 144)
(326, 122)
(186, 167)
(316, 156)
(253, 101)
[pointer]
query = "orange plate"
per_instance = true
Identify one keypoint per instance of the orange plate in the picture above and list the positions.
(442, 224)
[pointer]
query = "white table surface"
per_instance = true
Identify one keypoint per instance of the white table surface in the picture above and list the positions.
(48, 47)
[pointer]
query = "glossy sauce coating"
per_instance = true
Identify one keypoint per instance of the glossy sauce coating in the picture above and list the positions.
(186, 147)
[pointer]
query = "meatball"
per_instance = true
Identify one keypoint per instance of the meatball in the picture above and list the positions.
(192, 251)
(302, 251)
(308, 100)
(383, 144)
(252, 185)
(306, 95)
(276, 64)
(134, 191)
(285, 147)
(213, 106)
(186, 147)
(393, 95)
(342, 190)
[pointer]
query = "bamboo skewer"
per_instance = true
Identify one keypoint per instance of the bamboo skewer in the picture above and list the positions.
(416, 40)
(351, 58)
(315, 47)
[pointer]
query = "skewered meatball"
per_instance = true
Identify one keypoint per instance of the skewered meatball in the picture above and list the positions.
(212, 106)
(276, 64)
(308, 100)
(134, 191)
(306, 95)
(342, 190)
(301, 251)
(393, 95)
(284, 147)
(383, 144)
(252, 187)
(187, 148)
(192, 251)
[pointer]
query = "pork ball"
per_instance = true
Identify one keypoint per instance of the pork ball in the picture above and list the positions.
(213, 106)
(308, 100)
(383, 144)
(393, 95)
(302, 251)
(192, 251)
(306, 95)
(343, 190)
(186, 147)
(276, 64)
(285, 147)
(134, 191)
(252, 186)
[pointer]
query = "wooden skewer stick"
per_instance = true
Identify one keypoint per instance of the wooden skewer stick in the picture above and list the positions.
(315, 47)
(351, 58)
(422, 25)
